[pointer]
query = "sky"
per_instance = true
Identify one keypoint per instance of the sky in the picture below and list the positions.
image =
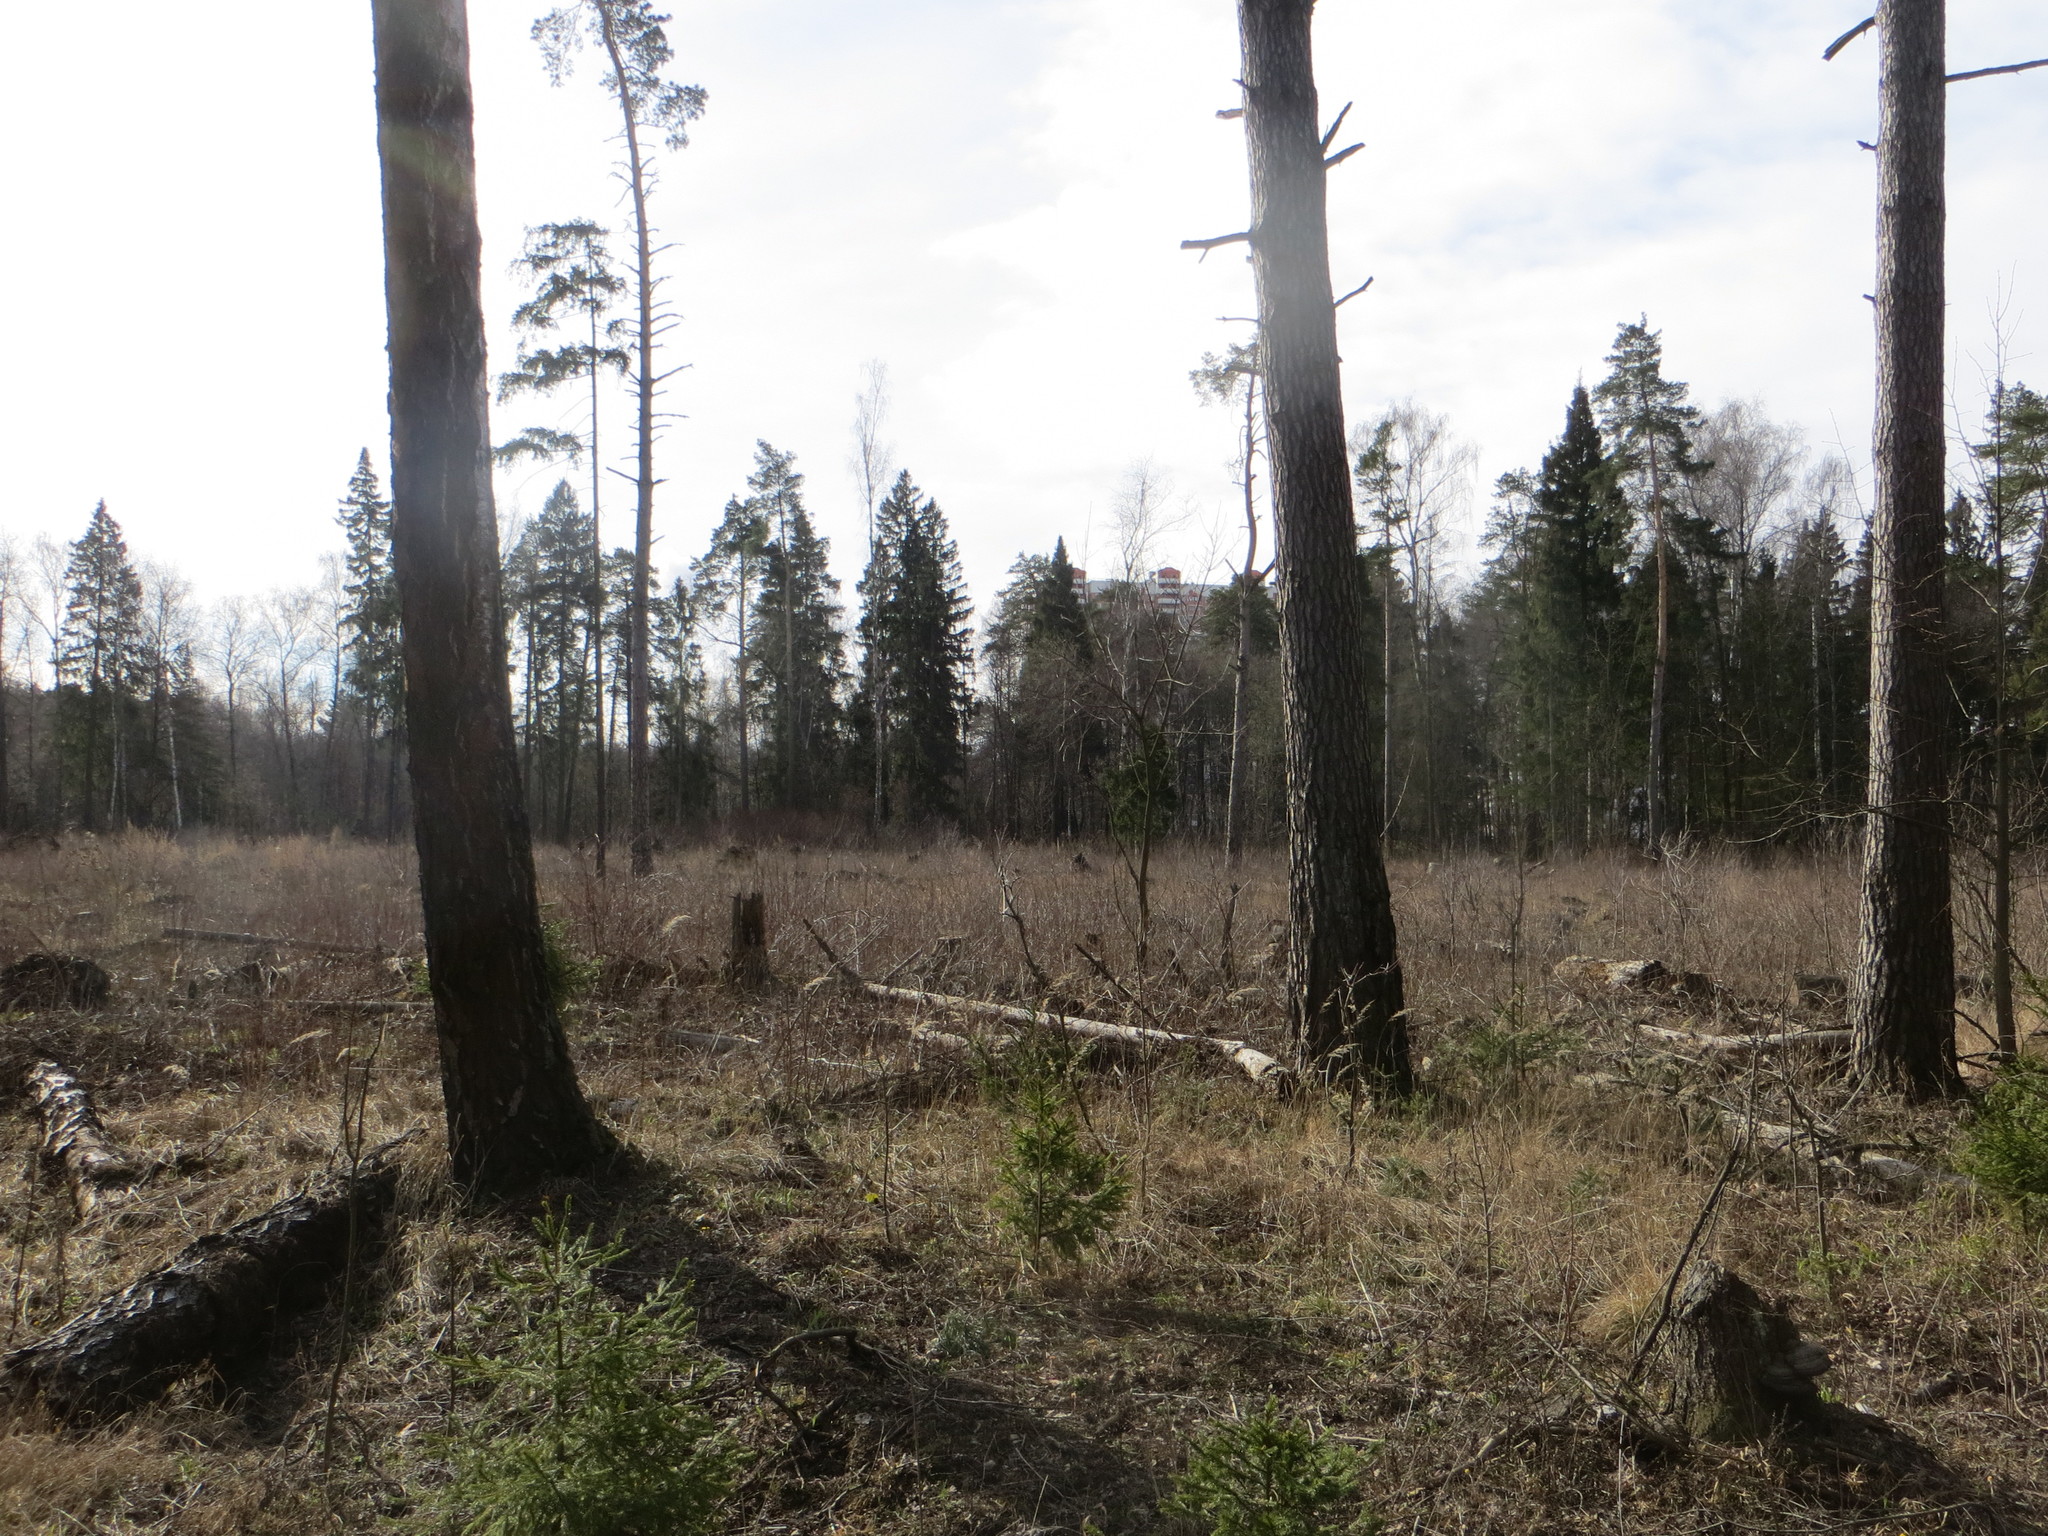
(988, 197)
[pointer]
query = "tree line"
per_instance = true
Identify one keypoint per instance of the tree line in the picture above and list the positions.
(1670, 580)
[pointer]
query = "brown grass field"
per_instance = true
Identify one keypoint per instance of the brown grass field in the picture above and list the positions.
(1451, 1289)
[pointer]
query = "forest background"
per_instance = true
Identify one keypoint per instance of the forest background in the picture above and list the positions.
(1015, 441)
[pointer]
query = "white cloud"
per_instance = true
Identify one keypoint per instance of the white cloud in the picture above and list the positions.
(989, 194)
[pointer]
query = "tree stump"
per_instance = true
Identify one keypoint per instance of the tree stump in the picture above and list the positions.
(746, 954)
(53, 981)
(1737, 1365)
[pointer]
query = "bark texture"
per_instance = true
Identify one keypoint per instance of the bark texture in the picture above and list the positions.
(515, 1114)
(208, 1303)
(1344, 975)
(746, 953)
(1737, 1366)
(1902, 994)
(73, 1137)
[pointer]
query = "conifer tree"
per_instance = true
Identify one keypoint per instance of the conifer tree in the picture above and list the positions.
(798, 662)
(637, 51)
(1649, 426)
(725, 582)
(374, 678)
(552, 578)
(914, 625)
(574, 286)
(100, 666)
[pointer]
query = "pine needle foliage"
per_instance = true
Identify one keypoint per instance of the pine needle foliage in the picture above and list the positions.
(1052, 1191)
(587, 1418)
(1267, 1474)
(2006, 1146)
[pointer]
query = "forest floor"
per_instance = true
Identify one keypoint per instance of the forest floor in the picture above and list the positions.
(1452, 1290)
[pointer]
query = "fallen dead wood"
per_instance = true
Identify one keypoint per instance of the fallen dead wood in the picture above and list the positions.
(273, 941)
(73, 1136)
(208, 1303)
(1748, 1045)
(1254, 1063)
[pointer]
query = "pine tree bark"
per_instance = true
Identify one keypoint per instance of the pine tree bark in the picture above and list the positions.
(1902, 994)
(1344, 975)
(515, 1114)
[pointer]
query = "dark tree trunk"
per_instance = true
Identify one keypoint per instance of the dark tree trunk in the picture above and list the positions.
(1903, 994)
(1344, 978)
(515, 1114)
(211, 1302)
(746, 954)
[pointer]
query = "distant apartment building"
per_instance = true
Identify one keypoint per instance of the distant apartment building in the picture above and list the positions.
(1163, 589)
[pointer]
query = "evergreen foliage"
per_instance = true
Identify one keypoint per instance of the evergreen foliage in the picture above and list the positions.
(2005, 1146)
(798, 659)
(586, 1418)
(1051, 1190)
(914, 624)
(1267, 1474)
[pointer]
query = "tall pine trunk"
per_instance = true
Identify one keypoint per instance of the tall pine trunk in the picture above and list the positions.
(1344, 977)
(1235, 808)
(515, 1114)
(1903, 992)
(639, 804)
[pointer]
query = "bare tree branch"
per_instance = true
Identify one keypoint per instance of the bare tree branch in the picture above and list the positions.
(1335, 126)
(2003, 69)
(1229, 112)
(1354, 293)
(1341, 156)
(1848, 37)
(1206, 246)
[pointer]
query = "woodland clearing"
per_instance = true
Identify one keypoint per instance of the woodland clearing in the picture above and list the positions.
(1455, 1291)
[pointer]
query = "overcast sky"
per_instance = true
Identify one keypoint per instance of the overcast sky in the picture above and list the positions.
(987, 195)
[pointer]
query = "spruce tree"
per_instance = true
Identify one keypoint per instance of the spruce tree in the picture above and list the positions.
(551, 580)
(914, 625)
(100, 666)
(374, 678)
(798, 663)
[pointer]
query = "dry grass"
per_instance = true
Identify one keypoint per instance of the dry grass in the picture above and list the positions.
(1456, 1279)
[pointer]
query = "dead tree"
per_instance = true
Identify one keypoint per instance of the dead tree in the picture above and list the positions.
(746, 953)
(515, 1114)
(1902, 993)
(1344, 992)
(73, 1137)
(1737, 1367)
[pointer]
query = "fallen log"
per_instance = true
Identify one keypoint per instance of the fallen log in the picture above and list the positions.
(1247, 1058)
(74, 1138)
(1746, 1045)
(208, 1303)
(273, 941)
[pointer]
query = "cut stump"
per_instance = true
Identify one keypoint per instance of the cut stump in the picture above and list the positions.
(1737, 1366)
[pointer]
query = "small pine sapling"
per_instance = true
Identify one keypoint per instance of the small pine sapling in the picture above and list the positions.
(1268, 1475)
(1052, 1191)
(2006, 1145)
(589, 1417)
